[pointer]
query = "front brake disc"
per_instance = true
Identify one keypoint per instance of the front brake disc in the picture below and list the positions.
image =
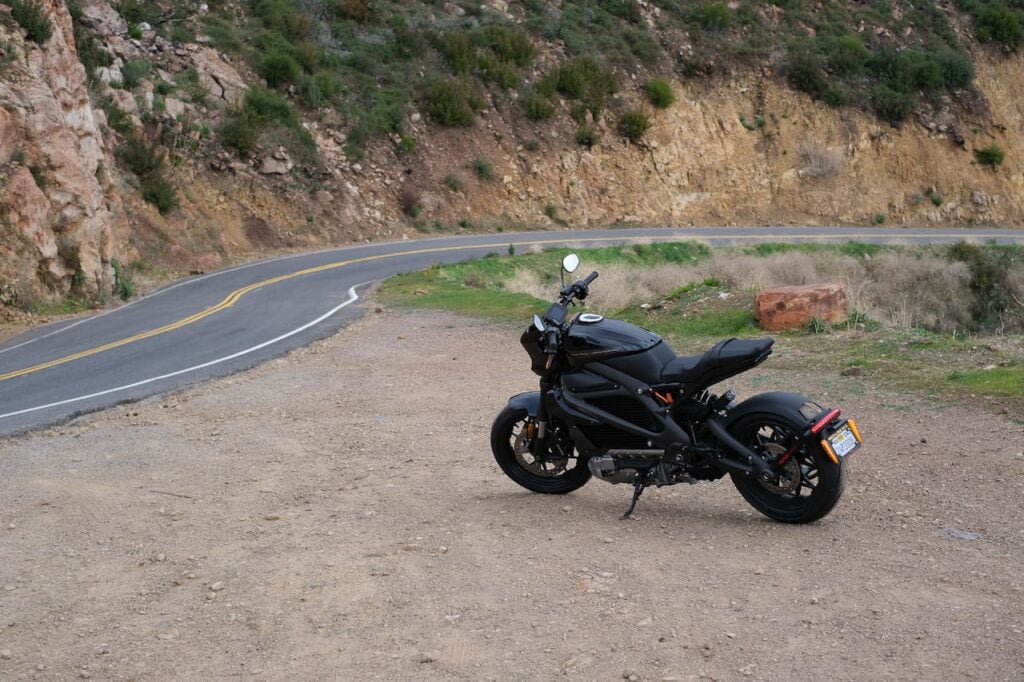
(521, 449)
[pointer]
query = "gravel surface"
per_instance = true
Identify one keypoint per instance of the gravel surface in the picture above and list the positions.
(337, 514)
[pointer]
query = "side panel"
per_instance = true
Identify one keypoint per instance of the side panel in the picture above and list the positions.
(800, 409)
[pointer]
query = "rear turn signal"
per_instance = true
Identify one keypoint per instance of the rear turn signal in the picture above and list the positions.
(856, 431)
(829, 451)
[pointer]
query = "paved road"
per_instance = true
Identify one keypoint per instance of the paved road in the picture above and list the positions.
(230, 320)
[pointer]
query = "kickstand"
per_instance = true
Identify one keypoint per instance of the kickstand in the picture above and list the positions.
(639, 483)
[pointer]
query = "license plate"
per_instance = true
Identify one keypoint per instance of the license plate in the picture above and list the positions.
(843, 441)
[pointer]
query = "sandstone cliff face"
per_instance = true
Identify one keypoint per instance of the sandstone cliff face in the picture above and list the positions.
(803, 162)
(61, 223)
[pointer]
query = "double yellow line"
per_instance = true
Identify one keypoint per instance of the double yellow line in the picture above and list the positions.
(237, 294)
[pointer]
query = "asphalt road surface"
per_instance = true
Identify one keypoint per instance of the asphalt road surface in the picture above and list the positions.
(223, 322)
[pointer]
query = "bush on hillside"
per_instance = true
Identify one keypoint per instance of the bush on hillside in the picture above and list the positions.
(453, 102)
(659, 93)
(279, 69)
(538, 107)
(990, 156)
(30, 16)
(1001, 24)
(633, 125)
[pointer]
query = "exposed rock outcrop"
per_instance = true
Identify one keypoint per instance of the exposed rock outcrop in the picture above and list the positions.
(48, 125)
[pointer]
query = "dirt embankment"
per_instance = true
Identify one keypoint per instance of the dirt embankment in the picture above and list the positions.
(337, 514)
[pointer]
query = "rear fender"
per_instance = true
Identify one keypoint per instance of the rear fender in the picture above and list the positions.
(798, 408)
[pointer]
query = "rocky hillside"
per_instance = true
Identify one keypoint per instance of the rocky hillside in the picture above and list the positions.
(144, 136)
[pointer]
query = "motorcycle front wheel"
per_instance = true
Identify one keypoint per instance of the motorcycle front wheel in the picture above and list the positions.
(555, 472)
(809, 485)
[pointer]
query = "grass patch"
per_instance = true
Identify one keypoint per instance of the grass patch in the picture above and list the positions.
(1008, 381)
(670, 288)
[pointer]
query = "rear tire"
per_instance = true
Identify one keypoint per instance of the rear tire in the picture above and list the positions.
(565, 474)
(801, 498)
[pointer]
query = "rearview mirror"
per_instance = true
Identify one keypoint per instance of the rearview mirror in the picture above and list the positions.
(538, 323)
(570, 263)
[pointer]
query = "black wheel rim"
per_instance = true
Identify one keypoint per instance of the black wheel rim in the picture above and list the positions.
(558, 461)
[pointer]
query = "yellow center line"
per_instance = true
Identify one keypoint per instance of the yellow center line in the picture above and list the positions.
(237, 294)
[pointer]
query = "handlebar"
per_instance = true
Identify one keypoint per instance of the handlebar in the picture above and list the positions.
(558, 311)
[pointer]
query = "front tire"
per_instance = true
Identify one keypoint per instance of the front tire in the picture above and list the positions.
(811, 484)
(559, 472)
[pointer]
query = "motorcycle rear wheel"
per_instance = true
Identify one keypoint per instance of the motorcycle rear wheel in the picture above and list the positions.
(813, 483)
(553, 475)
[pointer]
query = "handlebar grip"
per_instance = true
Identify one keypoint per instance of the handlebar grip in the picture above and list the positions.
(590, 278)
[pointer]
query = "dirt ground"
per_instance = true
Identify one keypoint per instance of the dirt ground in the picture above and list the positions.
(336, 514)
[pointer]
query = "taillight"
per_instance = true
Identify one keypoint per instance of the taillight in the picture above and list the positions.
(824, 421)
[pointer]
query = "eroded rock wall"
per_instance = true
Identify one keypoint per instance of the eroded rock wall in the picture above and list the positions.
(62, 223)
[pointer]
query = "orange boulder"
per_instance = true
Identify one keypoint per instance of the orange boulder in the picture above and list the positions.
(795, 306)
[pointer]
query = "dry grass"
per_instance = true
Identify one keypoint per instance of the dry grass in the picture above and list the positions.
(820, 162)
(898, 288)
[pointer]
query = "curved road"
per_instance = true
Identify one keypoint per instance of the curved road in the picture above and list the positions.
(230, 320)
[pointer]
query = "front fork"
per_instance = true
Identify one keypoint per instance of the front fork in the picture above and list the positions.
(538, 442)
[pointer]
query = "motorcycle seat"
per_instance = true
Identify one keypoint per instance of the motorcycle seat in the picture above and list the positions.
(724, 356)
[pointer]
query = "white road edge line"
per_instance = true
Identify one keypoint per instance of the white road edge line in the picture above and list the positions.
(352, 298)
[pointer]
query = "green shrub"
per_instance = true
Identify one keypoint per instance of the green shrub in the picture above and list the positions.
(406, 145)
(586, 135)
(359, 11)
(659, 93)
(124, 287)
(135, 32)
(279, 68)
(458, 50)
(582, 79)
(990, 270)
(509, 45)
(714, 16)
(133, 71)
(140, 157)
(804, 72)
(271, 107)
(633, 124)
(845, 54)
(30, 16)
(453, 102)
(118, 120)
(538, 107)
(159, 192)
(891, 105)
(240, 131)
(756, 124)
(1001, 24)
(957, 70)
(990, 156)
(878, 218)
(531, 145)
(483, 169)
(138, 11)
(222, 33)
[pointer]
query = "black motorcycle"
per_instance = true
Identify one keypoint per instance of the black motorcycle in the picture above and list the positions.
(615, 402)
